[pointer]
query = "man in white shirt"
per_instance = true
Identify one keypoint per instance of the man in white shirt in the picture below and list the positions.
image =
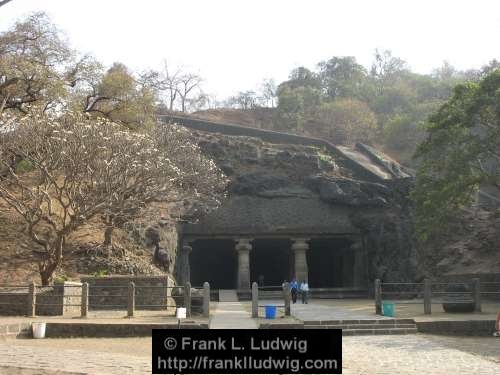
(304, 291)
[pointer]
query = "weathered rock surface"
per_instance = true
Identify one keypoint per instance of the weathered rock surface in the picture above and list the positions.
(268, 180)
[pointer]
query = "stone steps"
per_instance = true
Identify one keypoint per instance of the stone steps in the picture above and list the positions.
(366, 327)
(362, 326)
(389, 331)
(360, 321)
(228, 295)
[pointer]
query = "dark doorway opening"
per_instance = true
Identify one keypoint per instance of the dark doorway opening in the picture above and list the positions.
(214, 261)
(271, 259)
(329, 263)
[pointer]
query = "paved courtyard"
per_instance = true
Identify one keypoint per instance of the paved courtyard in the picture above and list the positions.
(316, 311)
(411, 354)
(392, 354)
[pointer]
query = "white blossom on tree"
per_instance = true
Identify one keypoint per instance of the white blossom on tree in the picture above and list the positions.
(76, 168)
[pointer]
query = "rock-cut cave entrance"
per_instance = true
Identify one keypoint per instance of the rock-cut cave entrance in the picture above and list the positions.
(330, 263)
(215, 261)
(272, 260)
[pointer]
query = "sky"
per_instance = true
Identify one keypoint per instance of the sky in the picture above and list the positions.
(235, 44)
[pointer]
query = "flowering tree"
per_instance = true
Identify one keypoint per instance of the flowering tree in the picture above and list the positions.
(80, 168)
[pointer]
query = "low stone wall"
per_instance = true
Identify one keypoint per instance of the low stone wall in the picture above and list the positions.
(14, 302)
(59, 299)
(14, 330)
(457, 328)
(111, 292)
(78, 329)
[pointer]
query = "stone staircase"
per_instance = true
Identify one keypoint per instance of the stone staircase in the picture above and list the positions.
(228, 295)
(366, 326)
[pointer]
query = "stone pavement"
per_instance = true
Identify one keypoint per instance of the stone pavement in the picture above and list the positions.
(418, 354)
(316, 311)
(47, 360)
(362, 355)
(230, 315)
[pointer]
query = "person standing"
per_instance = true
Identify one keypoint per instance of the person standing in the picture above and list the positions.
(261, 280)
(304, 291)
(294, 289)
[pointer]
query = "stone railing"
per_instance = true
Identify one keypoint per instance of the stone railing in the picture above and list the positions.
(454, 296)
(60, 299)
(271, 293)
(111, 292)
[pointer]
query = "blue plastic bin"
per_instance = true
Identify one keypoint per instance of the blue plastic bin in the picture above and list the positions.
(388, 309)
(270, 312)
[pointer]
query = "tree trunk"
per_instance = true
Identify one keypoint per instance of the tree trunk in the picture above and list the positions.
(46, 276)
(50, 265)
(108, 235)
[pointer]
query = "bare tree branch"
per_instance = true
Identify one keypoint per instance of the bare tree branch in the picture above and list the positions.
(4, 2)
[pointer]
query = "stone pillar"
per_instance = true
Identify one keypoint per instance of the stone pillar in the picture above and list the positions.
(185, 267)
(476, 283)
(206, 299)
(131, 300)
(243, 248)
(85, 300)
(255, 300)
(427, 296)
(359, 277)
(378, 297)
(31, 311)
(300, 247)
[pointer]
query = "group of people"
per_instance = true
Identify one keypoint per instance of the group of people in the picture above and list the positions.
(302, 288)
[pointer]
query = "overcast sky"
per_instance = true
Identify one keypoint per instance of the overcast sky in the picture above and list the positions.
(235, 44)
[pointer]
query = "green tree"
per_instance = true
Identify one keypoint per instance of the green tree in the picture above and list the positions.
(341, 77)
(460, 153)
(119, 96)
(36, 65)
(344, 121)
(294, 106)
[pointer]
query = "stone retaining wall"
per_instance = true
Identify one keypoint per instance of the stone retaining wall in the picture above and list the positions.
(111, 292)
(457, 328)
(59, 299)
(78, 329)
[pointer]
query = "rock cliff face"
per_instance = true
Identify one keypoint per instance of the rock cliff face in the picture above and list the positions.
(284, 174)
(469, 247)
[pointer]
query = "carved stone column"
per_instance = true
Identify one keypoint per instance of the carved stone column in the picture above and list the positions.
(300, 247)
(243, 248)
(184, 267)
(359, 277)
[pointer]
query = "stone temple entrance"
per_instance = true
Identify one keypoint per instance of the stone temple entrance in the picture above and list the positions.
(331, 263)
(271, 258)
(328, 263)
(213, 260)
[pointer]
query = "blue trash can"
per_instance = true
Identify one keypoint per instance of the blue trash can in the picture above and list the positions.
(270, 311)
(388, 309)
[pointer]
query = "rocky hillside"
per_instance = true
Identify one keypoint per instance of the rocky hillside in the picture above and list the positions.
(299, 173)
(264, 169)
(470, 247)
(131, 253)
